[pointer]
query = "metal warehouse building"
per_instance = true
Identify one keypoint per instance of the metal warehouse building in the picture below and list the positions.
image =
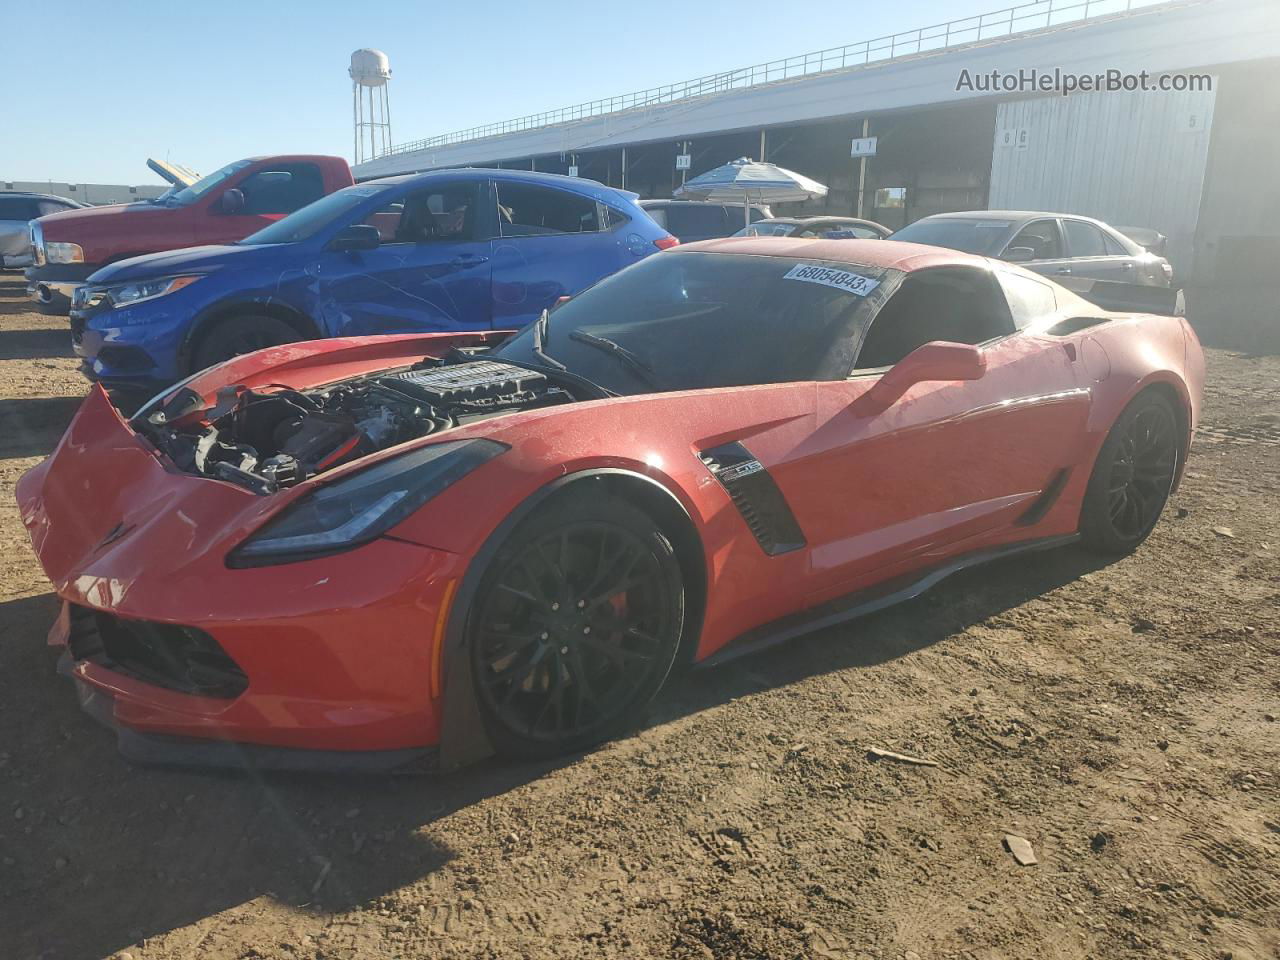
(1199, 164)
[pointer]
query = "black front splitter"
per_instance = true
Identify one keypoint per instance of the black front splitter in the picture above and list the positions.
(149, 749)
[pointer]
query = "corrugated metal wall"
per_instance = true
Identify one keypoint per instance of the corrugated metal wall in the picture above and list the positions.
(1131, 159)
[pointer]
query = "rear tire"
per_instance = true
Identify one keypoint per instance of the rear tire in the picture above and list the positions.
(1133, 476)
(236, 335)
(575, 626)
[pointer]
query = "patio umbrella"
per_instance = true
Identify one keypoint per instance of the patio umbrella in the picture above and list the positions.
(751, 181)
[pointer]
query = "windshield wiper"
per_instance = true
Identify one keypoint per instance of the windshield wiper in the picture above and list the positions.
(629, 359)
(539, 338)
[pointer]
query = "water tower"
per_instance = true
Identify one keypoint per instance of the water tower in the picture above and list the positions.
(370, 103)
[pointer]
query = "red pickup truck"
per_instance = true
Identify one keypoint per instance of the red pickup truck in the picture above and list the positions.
(228, 205)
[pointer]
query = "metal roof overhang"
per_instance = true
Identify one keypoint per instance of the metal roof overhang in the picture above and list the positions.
(1177, 37)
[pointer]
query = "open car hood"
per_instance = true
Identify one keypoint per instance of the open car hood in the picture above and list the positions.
(174, 173)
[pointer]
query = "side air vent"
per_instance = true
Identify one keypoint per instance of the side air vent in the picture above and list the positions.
(756, 496)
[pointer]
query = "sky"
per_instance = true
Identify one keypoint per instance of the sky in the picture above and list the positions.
(93, 88)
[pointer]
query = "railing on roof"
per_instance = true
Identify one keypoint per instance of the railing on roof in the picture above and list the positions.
(1024, 18)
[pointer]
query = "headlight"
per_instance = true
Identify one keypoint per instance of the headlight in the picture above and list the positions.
(363, 506)
(127, 294)
(64, 252)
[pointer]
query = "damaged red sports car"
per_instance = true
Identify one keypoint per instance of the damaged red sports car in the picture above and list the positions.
(398, 550)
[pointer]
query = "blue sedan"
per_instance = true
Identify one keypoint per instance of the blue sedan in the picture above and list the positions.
(449, 250)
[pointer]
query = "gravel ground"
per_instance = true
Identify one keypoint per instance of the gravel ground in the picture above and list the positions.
(1120, 717)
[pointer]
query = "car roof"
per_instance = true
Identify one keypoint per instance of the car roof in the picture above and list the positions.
(673, 201)
(1007, 215)
(830, 217)
(524, 176)
(891, 254)
(37, 196)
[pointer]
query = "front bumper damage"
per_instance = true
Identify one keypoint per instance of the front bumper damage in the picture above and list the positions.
(101, 692)
(315, 665)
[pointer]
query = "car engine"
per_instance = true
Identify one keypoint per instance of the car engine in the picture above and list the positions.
(267, 440)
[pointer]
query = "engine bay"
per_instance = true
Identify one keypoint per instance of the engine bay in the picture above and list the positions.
(270, 439)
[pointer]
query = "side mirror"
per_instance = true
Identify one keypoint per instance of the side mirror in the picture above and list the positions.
(1019, 254)
(936, 361)
(358, 236)
(232, 201)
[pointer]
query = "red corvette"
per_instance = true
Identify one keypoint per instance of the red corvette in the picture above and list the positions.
(370, 552)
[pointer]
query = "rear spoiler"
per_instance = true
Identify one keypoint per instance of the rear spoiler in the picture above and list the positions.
(1121, 297)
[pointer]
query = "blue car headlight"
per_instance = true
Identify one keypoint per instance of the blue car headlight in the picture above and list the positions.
(138, 291)
(358, 508)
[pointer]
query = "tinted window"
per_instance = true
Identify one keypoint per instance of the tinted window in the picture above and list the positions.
(314, 217)
(1042, 238)
(614, 218)
(525, 210)
(1084, 239)
(1029, 299)
(698, 220)
(18, 208)
(1114, 247)
(281, 189)
(708, 320)
(446, 213)
(983, 237)
(957, 304)
(51, 206)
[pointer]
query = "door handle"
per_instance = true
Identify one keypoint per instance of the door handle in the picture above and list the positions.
(1062, 270)
(1126, 266)
(468, 260)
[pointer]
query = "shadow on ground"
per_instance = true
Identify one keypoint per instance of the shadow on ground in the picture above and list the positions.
(31, 426)
(107, 854)
(34, 344)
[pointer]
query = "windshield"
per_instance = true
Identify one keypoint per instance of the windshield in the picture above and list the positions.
(767, 228)
(983, 237)
(204, 185)
(699, 320)
(314, 217)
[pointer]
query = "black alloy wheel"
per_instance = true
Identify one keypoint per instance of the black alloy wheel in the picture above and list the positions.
(1134, 475)
(575, 627)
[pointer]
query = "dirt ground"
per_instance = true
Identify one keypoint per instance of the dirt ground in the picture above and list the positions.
(1121, 717)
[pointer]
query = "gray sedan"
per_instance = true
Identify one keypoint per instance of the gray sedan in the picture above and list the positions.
(1053, 244)
(16, 211)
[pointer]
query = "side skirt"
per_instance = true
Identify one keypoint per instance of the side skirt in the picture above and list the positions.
(863, 602)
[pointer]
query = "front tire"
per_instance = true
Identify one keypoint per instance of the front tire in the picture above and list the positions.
(575, 626)
(1133, 476)
(236, 335)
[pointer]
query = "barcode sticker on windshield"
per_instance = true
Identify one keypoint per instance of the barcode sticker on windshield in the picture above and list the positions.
(853, 283)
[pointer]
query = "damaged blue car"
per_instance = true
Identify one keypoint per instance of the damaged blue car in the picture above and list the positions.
(450, 250)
